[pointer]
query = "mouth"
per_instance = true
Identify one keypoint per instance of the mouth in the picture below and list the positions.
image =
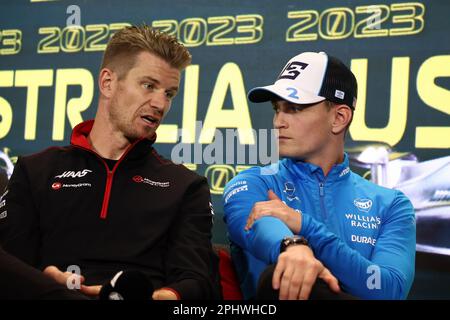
(283, 138)
(150, 120)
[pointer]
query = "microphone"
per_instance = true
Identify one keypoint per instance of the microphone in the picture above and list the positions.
(127, 285)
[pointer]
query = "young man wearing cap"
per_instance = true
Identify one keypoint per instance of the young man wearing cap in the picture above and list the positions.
(313, 218)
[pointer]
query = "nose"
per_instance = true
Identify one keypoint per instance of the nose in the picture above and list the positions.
(279, 122)
(159, 102)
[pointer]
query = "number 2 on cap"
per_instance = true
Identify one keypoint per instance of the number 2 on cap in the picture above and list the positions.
(293, 93)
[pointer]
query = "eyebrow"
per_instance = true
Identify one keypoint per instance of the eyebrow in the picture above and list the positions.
(157, 82)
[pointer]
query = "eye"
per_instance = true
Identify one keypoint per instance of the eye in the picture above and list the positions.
(295, 108)
(170, 94)
(276, 108)
(148, 86)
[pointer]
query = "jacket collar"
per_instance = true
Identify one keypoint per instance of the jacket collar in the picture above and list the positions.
(81, 132)
(305, 170)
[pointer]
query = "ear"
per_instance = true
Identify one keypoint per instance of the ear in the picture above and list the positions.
(342, 117)
(107, 82)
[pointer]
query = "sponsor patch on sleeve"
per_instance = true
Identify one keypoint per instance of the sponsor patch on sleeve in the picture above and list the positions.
(235, 191)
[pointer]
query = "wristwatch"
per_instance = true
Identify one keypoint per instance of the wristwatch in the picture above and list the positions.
(287, 241)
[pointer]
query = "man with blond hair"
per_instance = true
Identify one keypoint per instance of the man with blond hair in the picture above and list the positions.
(108, 202)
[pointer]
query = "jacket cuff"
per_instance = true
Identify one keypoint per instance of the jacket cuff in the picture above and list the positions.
(187, 289)
(306, 223)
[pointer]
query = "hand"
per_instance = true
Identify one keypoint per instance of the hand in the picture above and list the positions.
(59, 276)
(275, 208)
(92, 291)
(296, 272)
(63, 278)
(164, 294)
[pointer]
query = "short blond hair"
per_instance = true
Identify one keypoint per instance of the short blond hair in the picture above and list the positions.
(123, 47)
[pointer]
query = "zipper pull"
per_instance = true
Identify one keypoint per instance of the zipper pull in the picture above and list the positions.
(321, 189)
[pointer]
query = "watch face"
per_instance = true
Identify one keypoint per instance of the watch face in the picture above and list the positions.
(292, 240)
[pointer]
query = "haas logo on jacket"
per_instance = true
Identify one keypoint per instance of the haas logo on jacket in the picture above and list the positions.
(73, 174)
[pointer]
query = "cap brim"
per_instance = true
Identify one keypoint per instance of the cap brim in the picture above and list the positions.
(263, 94)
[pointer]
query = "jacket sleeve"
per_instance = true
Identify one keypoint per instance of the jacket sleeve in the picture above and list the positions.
(389, 273)
(19, 223)
(192, 265)
(20, 281)
(264, 239)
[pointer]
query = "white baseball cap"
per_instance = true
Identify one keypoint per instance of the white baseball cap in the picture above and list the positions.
(311, 77)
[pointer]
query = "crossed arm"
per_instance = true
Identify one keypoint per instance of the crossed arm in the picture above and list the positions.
(297, 269)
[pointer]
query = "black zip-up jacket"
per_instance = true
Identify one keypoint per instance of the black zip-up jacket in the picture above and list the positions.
(64, 207)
